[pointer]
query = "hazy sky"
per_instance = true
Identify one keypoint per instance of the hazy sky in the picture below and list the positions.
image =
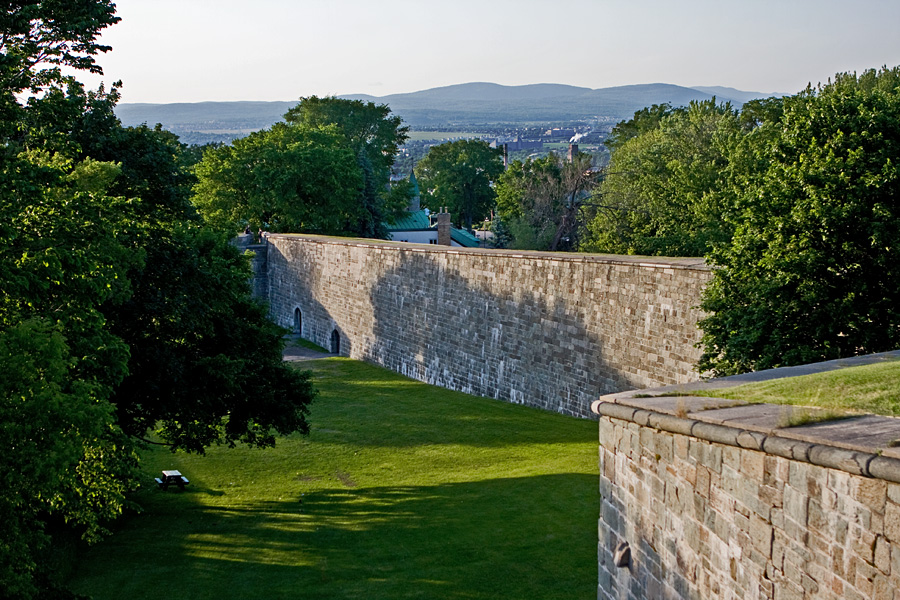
(196, 50)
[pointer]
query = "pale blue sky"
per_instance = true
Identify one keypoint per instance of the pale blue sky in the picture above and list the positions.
(197, 50)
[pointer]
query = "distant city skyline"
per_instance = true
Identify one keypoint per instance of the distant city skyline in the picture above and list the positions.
(226, 50)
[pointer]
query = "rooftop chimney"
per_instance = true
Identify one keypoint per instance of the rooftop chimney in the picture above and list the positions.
(443, 228)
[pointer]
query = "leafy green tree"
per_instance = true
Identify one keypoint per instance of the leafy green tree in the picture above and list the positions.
(644, 120)
(813, 269)
(50, 420)
(661, 193)
(205, 361)
(375, 135)
(368, 127)
(37, 38)
(543, 199)
(62, 453)
(91, 217)
(290, 178)
(459, 175)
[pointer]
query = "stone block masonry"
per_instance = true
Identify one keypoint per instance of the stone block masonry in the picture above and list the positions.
(744, 511)
(548, 330)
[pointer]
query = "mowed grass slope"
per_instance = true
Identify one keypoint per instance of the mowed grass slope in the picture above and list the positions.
(873, 388)
(402, 490)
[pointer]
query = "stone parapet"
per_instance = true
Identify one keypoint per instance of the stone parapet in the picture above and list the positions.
(715, 500)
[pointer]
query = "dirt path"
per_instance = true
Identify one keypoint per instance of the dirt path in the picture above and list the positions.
(294, 353)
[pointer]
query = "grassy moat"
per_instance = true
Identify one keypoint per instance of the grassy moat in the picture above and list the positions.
(402, 490)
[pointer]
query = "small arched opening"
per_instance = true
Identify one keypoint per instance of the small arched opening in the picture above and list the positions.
(335, 342)
(298, 321)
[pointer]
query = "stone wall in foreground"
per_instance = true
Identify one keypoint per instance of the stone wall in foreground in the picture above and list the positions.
(718, 512)
(548, 330)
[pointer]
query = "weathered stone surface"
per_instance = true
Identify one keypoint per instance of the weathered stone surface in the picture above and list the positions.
(544, 329)
(867, 433)
(756, 417)
(741, 523)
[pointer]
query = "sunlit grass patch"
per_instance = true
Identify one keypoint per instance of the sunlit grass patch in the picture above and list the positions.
(871, 388)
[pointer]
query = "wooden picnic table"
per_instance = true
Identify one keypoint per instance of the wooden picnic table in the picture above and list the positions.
(172, 478)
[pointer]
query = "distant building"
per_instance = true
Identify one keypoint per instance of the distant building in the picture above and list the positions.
(558, 133)
(420, 226)
(516, 144)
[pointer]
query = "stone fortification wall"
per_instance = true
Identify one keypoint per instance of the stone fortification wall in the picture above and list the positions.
(715, 511)
(548, 330)
(258, 263)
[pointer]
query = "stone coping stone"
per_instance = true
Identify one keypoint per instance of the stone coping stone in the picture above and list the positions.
(861, 433)
(863, 444)
(663, 262)
(766, 375)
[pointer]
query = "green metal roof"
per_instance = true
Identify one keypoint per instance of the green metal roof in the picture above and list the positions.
(419, 221)
(464, 238)
(411, 221)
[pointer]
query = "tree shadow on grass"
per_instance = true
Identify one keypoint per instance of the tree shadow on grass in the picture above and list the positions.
(525, 537)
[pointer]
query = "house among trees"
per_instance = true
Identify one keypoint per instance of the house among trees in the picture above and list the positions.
(421, 226)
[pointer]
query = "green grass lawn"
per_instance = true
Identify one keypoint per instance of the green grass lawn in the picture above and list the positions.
(402, 490)
(871, 388)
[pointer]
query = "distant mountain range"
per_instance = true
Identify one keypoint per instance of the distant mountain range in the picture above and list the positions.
(463, 105)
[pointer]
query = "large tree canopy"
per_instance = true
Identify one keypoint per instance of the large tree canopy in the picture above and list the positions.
(119, 314)
(459, 175)
(326, 170)
(285, 179)
(661, 193)
(369, 128)
(375, 135)
(542, 200)
(813, 269)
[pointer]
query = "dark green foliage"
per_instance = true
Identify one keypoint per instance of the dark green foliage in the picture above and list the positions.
(645, 120)
(813, 269)
(459, 175)
(375, 136)
(38, 37)
(286, 179)
(542, 201)
(327, 170)
(91, 216)
(661, 195)
(205, 361)
(62, 454)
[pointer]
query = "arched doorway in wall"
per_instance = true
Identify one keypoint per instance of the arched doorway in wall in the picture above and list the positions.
(298, 322)
(335, 342)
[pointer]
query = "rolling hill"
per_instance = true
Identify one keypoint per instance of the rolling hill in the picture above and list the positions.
(463, 105)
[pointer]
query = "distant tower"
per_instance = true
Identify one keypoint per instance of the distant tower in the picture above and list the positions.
(415, 203)
(573, 152)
